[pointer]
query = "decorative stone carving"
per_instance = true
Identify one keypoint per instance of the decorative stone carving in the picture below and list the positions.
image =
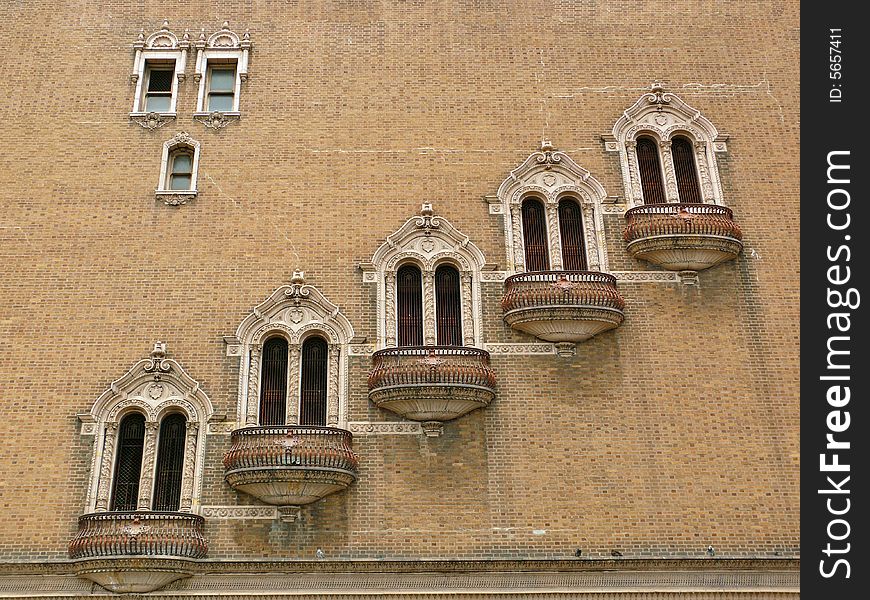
(520, 348)
(427, 241)
(384, 428)
(216, 119)
(189, 462)
(151, 120)
(253, 399)
(240, 512)
(467, 293)
(149, 457)
(670, 176)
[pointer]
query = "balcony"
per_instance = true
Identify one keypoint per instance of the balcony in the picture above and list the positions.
(290, 466)
(137, 552)
(682, 237)
(431, 384)
(562, 306)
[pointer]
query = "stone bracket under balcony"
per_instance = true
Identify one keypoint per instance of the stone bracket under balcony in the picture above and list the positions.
(562, 306)
(290, 466)
(682, 237)
(431, 384)
(137, 552)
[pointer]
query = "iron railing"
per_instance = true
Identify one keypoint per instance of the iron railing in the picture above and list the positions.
(139, 533)
(415, 365)
(561, 288)
(675, 219)
(291, 446)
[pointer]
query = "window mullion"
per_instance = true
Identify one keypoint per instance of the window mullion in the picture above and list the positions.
(149, 457)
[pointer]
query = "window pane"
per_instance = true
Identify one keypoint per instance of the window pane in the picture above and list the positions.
(571, 228)
(273, 382)
(160, 80)
(223, 80)
(650, 171)
(128, 462)
(447, 306)
(684, 165)
(221, 102)
(409, 305)
(312, 409)
(535, 236)
(179, 182)
(157, 103)
(181, 163)
(170, 462)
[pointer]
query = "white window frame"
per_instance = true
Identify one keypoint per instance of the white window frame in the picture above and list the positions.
(176, 197)
(164, 47)
(222, 47)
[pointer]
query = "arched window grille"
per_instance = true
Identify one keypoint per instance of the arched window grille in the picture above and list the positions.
(409, 306)
(535, 236)
(128, 462)
(170, 463)
(312, 402)
(273, 383)
(571, 231)
(684, 167)
(650, 171)
(448, 309)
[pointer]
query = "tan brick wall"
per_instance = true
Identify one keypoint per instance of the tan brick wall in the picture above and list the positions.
(673, 432)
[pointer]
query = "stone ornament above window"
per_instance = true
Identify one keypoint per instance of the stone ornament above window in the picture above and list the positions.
(550, 176)
(664, 117)
(221, 68)
(159, 63)
(154, 387)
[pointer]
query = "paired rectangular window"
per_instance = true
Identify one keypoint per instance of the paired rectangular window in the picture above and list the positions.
(158, 88)
(221, 88)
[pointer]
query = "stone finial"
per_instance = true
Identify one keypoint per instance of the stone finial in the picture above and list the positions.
(202, 34)
(247, 35)
(547, 146)
(186, 36)
(657, 94)
(226, 26)
(426, 209)
(141, 36)
(298, 278)
(165, 26)
(159, 350)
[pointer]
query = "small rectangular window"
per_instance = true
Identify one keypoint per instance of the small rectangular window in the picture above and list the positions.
(158, 89)
(221, 88)
(181, 174)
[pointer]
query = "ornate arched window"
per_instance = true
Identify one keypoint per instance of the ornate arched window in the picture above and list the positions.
(178, 170)
(448, 306)
(409, 305)
(149, 450)
(535, 236)
(571, 235)
(314, 384)
(169, 471)
(650, 171)
(684, 169)
(273, 382)
(128, 462)
(427, 275)
(293, 348)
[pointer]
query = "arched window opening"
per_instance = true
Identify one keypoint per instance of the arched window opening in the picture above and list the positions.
(128, 464)
(273, 383)
(170, 463)
(312, 407)
(650, 171)
(535, 236)
(409, 306)
(181, 169)
(448, 309)
(687, 174)
(571, 230)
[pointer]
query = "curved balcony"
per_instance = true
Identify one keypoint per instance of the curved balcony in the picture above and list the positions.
(682, 237)
(562, 306)
(432, 384)
(137, 552)
(290, 465)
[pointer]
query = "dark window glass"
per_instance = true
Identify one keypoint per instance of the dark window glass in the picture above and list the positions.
(409, 306)
(650, 171)
(448, 309)
(170, 463)
(158, 93)
(273, 382)
(128, 463)
(312, 405)
(684, 166)
(535, 236)
(571, 229)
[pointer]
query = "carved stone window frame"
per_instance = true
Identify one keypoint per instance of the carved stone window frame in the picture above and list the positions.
(177, 197)
(154, 387)
(295, 312)
(161, 46)
(550, 176)
(662, 116)
(427, 241)
(223, 46)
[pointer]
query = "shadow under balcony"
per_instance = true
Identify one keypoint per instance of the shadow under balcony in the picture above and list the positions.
(682, 237)
(137, 551)
(292, 465)
(562, 306)
(431, 384)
